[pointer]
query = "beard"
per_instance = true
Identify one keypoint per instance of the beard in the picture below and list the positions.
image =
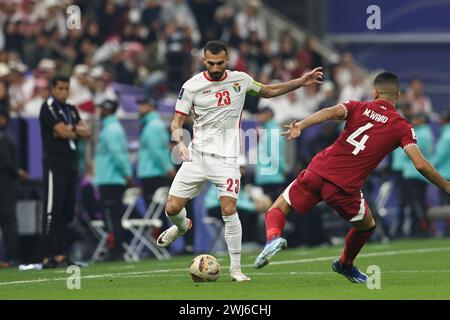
(216, 76)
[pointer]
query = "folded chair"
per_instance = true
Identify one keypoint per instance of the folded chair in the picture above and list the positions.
(141, 227)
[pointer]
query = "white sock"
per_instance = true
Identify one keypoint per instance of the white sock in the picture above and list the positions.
(233, 238)
(179, 219)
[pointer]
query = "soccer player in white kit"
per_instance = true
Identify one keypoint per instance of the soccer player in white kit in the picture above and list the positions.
(216, 98)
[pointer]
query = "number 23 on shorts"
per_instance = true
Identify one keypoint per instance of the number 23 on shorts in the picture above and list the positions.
(230, 185)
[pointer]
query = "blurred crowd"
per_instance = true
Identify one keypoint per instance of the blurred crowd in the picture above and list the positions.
(158, 45)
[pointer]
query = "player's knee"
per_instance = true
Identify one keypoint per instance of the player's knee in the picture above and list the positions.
(173, 207)
(228, 210)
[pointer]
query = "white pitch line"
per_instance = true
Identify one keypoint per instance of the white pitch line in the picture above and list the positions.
(363, 255)
(125, 274)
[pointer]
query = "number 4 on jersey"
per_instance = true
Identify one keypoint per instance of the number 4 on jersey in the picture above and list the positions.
(359, 145)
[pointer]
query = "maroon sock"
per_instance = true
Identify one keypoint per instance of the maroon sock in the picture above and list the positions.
(354, 241)
(275, 221)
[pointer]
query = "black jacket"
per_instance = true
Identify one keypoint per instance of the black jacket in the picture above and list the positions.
(9, 162)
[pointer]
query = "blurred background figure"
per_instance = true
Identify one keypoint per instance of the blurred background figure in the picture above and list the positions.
(10, 173)
(155, 168)
(413, 220)
(271, 165)
(40, 94)
(419, 101)
(441, 158)
(112, 172)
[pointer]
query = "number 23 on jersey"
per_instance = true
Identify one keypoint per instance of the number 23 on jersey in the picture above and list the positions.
(223, 98)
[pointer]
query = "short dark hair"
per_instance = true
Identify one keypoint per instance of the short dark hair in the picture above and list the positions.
(386, 78)
(59, 77)
(215, 47)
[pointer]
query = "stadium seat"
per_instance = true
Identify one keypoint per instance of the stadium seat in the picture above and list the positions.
(98, 229)
(141, 227)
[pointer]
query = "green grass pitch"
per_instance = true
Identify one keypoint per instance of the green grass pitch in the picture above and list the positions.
(410, 269)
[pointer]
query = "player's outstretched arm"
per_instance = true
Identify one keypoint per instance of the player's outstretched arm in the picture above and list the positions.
(294, 129)
(277, 89)
(426, 168)
(177, 135)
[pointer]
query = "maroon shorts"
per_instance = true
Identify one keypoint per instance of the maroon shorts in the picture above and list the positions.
(309, 189)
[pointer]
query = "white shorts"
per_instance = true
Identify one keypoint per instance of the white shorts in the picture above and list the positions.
(193, 175)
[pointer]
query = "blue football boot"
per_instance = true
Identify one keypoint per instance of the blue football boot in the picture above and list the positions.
(351, 273)
(268, 252)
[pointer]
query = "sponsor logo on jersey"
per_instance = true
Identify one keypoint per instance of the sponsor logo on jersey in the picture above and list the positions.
(206, 91)
(237, 87)
(180, 95)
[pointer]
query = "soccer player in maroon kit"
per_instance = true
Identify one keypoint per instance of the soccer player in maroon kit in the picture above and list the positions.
(373, 129)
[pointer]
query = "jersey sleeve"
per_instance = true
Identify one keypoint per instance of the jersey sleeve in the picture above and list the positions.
(48, 116)
(350, 106)
(185, 100)
(408, 137)
(252, 87)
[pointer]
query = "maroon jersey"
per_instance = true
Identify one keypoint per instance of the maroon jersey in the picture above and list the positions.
(373, 130)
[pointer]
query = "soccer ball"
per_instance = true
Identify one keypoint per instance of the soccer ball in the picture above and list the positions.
(204, 268)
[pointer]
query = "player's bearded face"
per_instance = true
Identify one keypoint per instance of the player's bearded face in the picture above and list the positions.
(216, 64)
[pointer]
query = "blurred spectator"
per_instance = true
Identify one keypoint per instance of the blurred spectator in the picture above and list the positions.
(129, 67)
(441, 158)
(100, 84)
(308, 58)
(251, 20)
(288, 50)
(413, 219)
(178, 57)
(286, 109)
(225, 29)
(354, 89)
(80, 95)
(4, 97)
(17, 90)
(9, 175)
(111, 19)
(270, 169)
(155, 166)
(329, 95)
(38, 49)
(275, 70)
(420, 103)
(178, 12)
(151, 13)
(40, 94)
(13, 30)
(203, 10)
(45, 70)
(112, 171)
(310, 99)
(342, 73)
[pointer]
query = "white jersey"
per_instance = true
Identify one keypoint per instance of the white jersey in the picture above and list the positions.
(216, 108)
